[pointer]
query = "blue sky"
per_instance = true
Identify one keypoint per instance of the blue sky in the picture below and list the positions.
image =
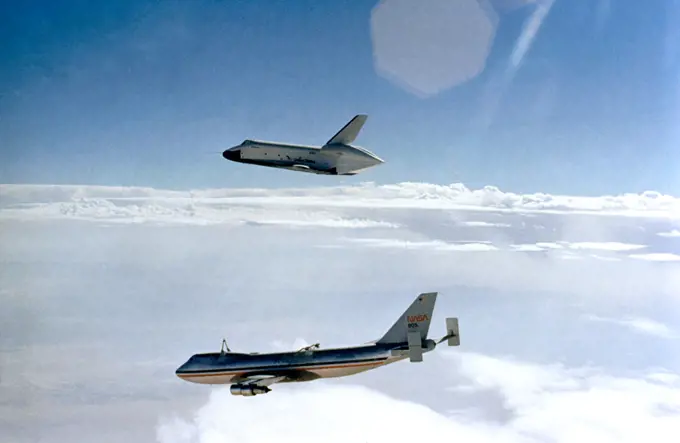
(149, 93)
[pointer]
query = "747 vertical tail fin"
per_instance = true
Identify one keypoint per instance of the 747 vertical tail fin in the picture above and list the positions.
(414, 323)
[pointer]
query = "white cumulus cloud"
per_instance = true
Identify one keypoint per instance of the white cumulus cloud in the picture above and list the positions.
(542, 403)
(639, 324)
(111, 273)
(658, 257)
(99, 201)
(484, 224)
(427, 245)
(604, 246)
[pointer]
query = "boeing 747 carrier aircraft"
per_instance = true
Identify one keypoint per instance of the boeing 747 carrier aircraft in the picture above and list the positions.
(337, 157)
(252, 374)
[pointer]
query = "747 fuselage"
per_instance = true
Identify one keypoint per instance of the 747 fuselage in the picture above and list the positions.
(253, 373)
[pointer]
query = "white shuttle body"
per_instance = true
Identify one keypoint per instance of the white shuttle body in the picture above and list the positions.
(337, 157)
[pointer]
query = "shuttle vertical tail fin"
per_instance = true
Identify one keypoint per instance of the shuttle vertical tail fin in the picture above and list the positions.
(349, 132)
(415, 320)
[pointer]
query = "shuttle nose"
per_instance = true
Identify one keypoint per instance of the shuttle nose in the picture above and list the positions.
(233, 154)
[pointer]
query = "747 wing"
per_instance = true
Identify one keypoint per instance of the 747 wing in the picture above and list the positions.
(262, 380)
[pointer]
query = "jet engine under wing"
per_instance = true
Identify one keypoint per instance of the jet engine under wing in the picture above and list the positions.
(262, 380)
(248, 386)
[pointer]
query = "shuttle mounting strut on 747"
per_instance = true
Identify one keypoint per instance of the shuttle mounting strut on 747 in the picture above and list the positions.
(337, 157)
(252, 373)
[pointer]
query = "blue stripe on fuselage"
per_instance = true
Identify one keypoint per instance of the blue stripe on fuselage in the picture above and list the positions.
(217, 362)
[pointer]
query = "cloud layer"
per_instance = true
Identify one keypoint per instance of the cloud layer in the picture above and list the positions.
(99, 201)
(362, 207)
(540, 403)
(568, 309)
(642, 325)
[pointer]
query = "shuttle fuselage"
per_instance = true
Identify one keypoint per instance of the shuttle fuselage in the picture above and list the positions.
(336, 157)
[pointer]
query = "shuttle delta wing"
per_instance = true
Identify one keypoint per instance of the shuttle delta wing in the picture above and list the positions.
(343, 166)
(304, 168)
(349, 132)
